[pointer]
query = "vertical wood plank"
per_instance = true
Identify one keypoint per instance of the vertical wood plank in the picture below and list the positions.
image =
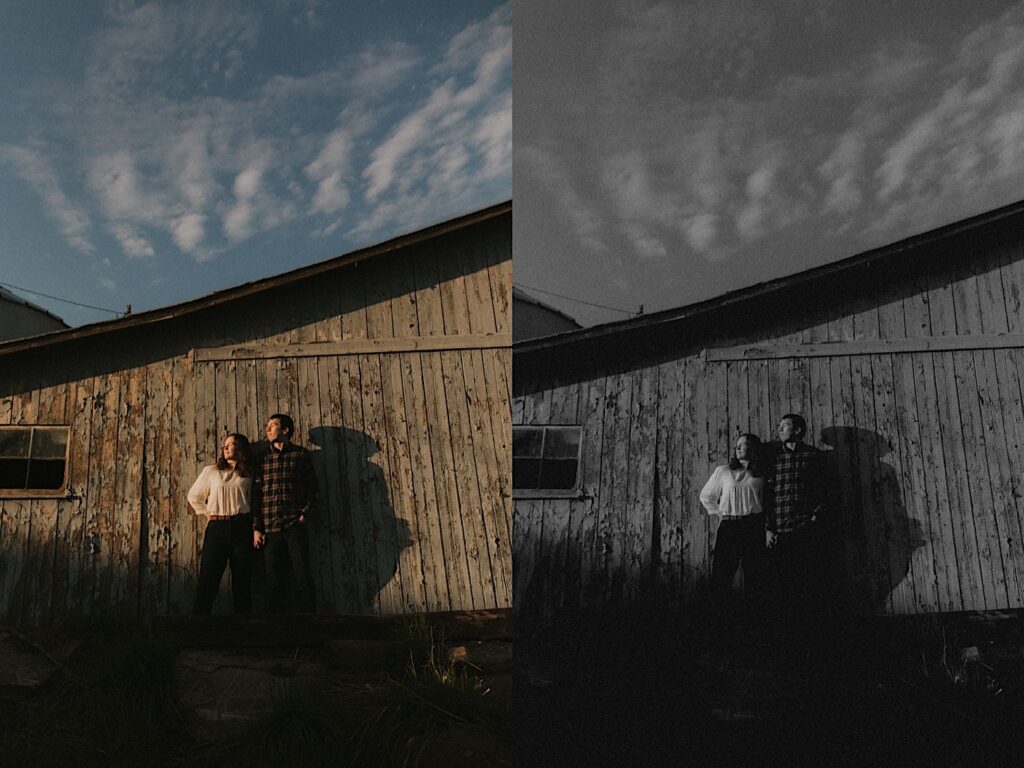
(586, 513)
(446, 491)
(483, 589)
(878, 581)
(640, 478)
(992, 408)
(614, 480)
(389, 529)
(308, 422)
(71, 568)
(366, 492)
(345, 563)
(696, 529)
(847, 464)
(490, 449)
(128, 490)
(669, 501)
(438, 590)
(157, 490)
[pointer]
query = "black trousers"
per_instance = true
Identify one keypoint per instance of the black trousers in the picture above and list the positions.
(226, 542)
(286, 554)
(740, 540)
(803, 576)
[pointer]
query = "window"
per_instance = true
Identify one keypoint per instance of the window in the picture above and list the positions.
(32, 459)
(545, 460)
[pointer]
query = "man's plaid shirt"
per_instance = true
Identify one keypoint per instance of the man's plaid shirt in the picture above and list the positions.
(286, 485)
(796, 487)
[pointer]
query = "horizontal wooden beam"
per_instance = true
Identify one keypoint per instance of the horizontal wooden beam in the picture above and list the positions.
(866, 347)
(356, 347)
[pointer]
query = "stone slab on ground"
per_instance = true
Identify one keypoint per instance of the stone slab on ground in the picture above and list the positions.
(220, 693)
(27, 662)
(313, 630)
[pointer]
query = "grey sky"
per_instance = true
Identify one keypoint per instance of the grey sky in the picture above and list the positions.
(668, 152)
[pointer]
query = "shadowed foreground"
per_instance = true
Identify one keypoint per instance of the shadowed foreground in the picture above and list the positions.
(261, 691)
(642, 688)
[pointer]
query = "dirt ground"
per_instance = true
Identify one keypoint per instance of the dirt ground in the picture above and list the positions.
(643, 688)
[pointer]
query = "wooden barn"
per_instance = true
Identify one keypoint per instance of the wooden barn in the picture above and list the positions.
(395, 363)
(907, 362)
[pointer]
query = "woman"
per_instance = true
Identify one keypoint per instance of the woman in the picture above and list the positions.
(222, 493)
(735, 492)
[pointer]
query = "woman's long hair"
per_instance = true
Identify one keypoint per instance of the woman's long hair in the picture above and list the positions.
(755, 461)
(243, 463)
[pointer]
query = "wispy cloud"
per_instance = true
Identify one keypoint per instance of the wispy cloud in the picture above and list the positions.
(33, 167)
(460, 134)
(971, 127)
(179, 151)
(545, 169)
(729, 158)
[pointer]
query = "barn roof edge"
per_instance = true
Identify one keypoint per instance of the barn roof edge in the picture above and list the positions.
(759, 290)
(170, 312)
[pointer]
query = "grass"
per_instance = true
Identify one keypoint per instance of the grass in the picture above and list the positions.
(113, 706)
(413, 719)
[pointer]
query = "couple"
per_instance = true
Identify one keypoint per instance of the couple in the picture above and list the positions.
(256, 500)
(771, 498)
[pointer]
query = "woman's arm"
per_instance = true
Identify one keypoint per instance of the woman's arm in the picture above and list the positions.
(711, 493)
(199, 493)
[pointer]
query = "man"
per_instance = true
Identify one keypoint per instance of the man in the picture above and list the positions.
(288, 495)
(794, 529)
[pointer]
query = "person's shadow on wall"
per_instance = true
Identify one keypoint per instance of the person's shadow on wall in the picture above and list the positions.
(873, 536)
(359, 536)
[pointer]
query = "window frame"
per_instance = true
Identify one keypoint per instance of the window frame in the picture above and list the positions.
(40, 493)
(576, 492)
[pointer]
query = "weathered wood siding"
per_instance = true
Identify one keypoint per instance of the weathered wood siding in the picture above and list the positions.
(926, 448)
(412, 449)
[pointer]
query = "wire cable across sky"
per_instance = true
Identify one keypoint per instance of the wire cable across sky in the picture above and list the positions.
(578, 301)
(58, 298)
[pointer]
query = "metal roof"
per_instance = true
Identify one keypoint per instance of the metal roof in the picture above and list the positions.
(14, 298)
(518, 294)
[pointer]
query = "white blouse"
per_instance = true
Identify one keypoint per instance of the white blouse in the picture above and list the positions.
(220, 492)
(732, 493)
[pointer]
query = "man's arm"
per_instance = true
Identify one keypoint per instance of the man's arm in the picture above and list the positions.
(256, 503)
(768, 496)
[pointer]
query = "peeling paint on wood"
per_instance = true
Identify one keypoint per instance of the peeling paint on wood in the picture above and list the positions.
(918, 390)
(411, 443)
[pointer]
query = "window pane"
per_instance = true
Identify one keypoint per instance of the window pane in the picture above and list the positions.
(14, 442)
(12, 473)
(46, 474)
(562, 443)
(50, 442)
(558, 474)
(526, 441)
(525, 473)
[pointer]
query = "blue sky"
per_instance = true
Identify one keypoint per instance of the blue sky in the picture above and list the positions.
(154, 152)
(668, 152)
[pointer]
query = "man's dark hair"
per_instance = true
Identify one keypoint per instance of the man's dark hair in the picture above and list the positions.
(286, 422)
(798, 423)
